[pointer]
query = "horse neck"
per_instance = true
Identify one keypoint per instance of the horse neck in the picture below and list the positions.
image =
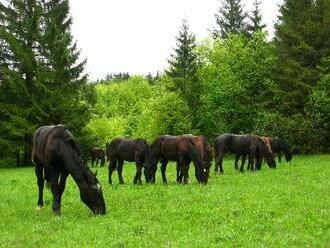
(74, 165)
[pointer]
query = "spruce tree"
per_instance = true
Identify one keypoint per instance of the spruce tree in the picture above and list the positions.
(183, 67)
(300, 42)
(19, 74)
(41, 77)
(64, 71)
(230, 19)
(256, 20)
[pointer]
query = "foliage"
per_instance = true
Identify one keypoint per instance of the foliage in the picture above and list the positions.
(235, 76)
(256, 20)
(301, 41)
(183, 68)
(165, 113)
(41, 77)
(136, 109)
(230, 19)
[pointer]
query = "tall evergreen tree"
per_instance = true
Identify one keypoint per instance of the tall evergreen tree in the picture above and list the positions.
(41, 80)
(256, 19)
(19, 73)
(64, 71)
(301, 42)
(183, 67)
(230, 19)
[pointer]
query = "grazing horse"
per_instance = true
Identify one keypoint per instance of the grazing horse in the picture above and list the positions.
(120, 150)
(242, 145)
(56, 155)
(97, 154)
(180, 149)
(204, 151)
(279, 146)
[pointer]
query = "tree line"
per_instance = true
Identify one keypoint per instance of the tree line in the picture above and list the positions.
(235, 80)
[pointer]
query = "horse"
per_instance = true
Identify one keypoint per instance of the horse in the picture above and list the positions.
(180, 149)
(204, 151)
(56, 155)
(242, 145)
(97, 154)
(279, 146)
(120, 150)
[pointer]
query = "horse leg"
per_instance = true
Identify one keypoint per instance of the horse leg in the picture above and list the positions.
(112, 167)
(93, 160)
(236, 161)
(258, 162)
(185, 169)
(243, 161)
(220, 162)
(137, 178)
(97, 162)
(251, 162)
(178, 173)
(120, 170)
(40, 182)
(61, 185)
(54, 187)
(163, 170)
(279, 156)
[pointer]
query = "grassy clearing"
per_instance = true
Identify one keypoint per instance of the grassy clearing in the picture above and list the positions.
(287, 207)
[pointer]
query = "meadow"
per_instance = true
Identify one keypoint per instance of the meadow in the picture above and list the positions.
(286, 207)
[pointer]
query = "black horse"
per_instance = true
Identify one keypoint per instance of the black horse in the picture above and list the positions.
(279, 146)
(97, 154)
(56, 155)
(180, 149)
(242, 145)
(120, 150)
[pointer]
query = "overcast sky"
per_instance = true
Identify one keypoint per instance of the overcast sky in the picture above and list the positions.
(137, 36)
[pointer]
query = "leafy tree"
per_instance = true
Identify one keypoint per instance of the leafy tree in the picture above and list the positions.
(256, 20)
(165, 113)
(230, 19)
(301, 42)
(318, 107)
(235, 76)
(183, 68)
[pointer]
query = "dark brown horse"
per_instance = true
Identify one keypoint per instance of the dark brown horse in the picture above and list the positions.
(204, 151)
(97, 154)
(242, 145)
(279, 147)
(180, 149)
(56, 155)
(120, 150)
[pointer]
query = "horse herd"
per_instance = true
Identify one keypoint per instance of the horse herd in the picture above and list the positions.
(56, 155)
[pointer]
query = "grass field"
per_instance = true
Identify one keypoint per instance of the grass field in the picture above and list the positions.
(286, 207)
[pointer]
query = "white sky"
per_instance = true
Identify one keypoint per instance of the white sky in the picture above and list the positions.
(137, 36)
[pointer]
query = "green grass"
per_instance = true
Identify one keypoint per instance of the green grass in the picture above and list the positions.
(286, 207)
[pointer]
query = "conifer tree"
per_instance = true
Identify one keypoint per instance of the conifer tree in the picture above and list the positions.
(301, 43)
(256, 19)
(19, 73)
(183, 67)
(230, 19)
(41, 77)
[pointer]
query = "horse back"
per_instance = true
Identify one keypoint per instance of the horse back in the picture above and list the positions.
(45, 142)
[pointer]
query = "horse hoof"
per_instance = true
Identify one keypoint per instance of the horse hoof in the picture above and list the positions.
(39, 207)
(57, 213)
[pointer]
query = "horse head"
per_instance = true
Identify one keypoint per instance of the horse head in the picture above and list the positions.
(265, 151)
(91, 193)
